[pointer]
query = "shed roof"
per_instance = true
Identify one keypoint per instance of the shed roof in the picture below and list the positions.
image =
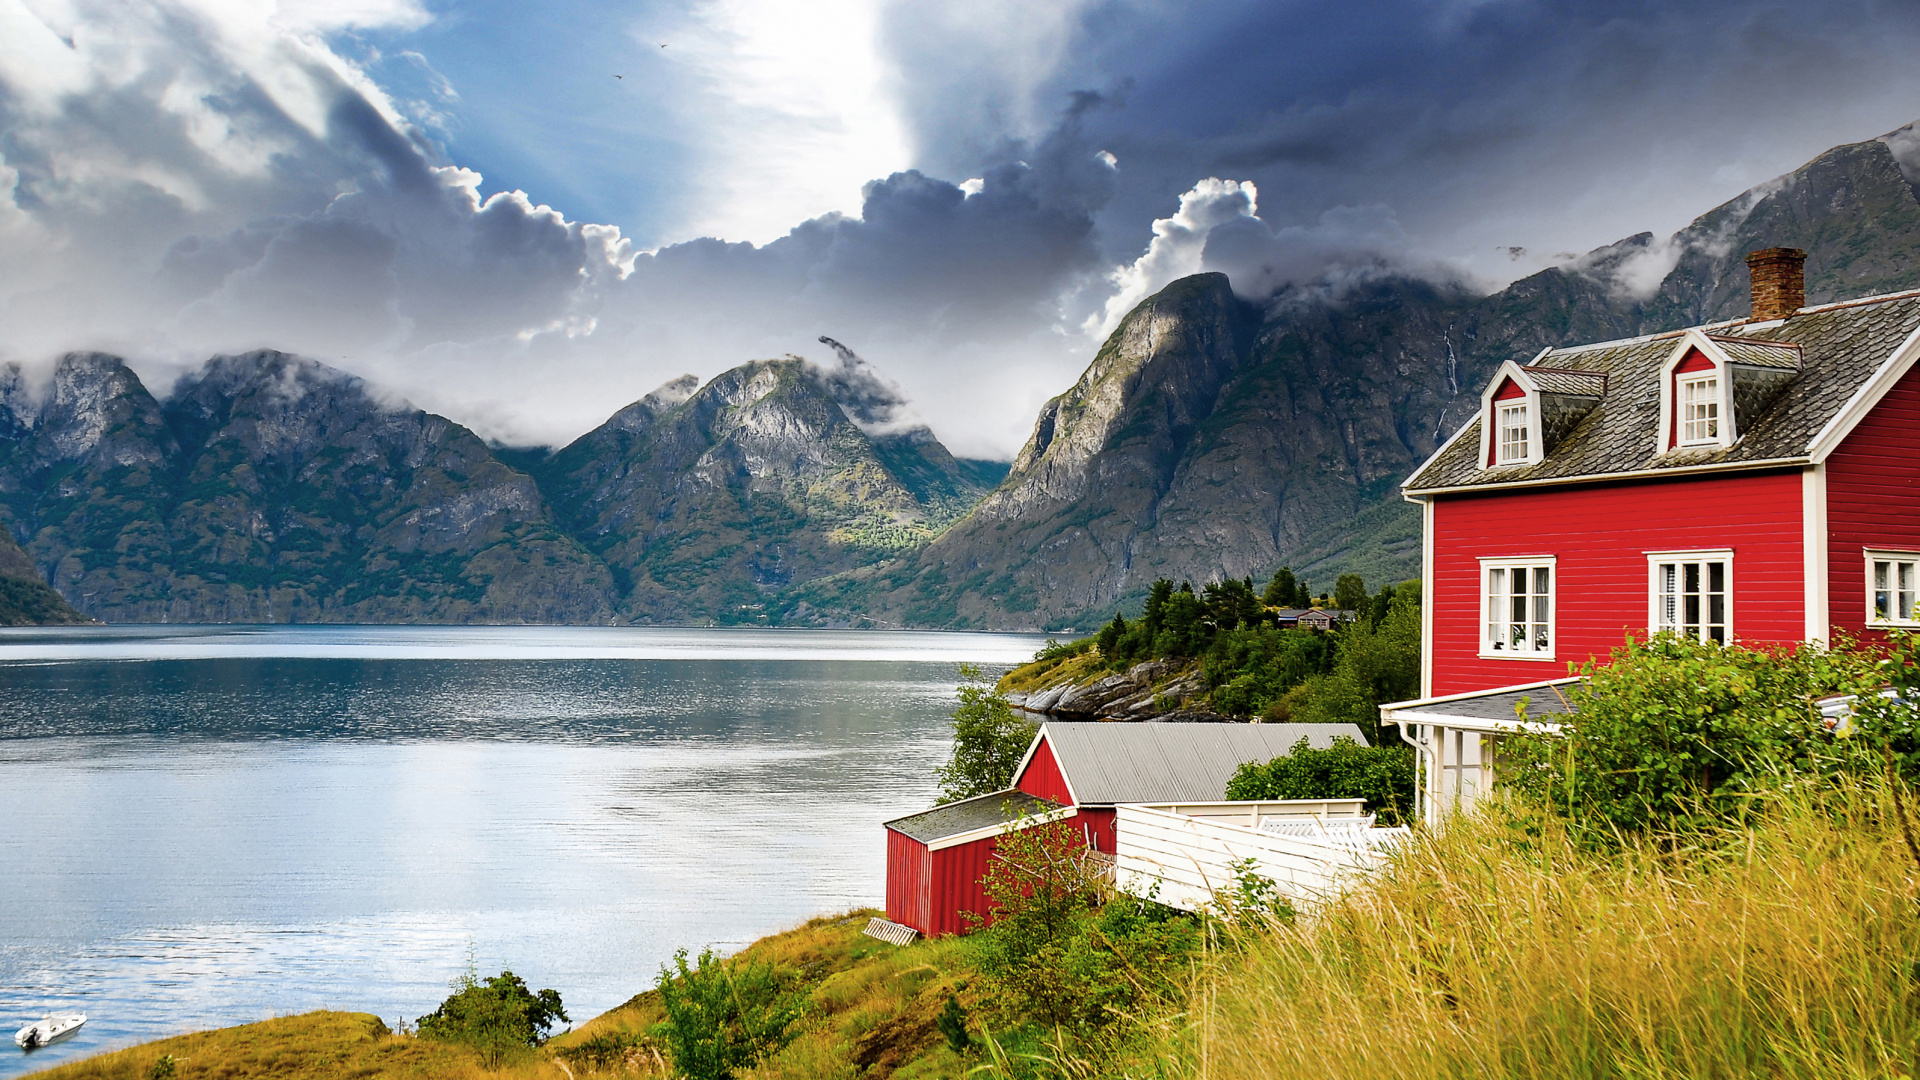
(1545, 703)
(971, 815)
(1841, 348)
(1109, 763)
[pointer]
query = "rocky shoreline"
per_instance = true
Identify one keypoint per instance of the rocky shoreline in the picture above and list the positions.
(1157, 690)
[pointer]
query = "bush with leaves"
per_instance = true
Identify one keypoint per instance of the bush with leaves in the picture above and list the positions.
(723, 1016)
(1676, 732)
(989, 740)
(1057, 953)
(1382, 775)
(495, 1015)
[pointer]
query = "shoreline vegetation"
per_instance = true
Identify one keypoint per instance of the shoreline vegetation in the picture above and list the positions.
(1699, 876)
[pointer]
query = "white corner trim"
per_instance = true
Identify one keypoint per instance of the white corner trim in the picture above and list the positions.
(1890, 372)
(1441, 449)
(1428, 601)
(1813, 553)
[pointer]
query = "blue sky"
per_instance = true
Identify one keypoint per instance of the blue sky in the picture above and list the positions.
(461, 202)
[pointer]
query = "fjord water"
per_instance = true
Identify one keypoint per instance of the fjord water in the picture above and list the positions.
(214, 825)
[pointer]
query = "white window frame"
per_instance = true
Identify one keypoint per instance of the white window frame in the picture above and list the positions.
(1655, 621)
(1893, 560)
(1671, 437)
(1710, 398)
(1502, 427)
(1507, 564)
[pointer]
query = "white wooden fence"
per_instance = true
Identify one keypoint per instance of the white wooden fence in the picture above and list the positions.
(1188, 849)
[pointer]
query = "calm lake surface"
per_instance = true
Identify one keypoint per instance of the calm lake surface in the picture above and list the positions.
(202, 826)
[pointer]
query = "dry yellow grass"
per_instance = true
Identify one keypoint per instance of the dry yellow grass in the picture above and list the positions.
(871, 1014)
(311, 1046)
(1790, 950)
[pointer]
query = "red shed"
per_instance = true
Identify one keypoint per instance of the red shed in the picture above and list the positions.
(1078, 771)
(935, 859)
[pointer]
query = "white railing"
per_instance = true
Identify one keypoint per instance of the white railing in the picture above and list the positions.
(1188, 850)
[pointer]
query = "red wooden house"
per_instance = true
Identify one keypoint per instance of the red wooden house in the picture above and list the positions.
(1754, 480)
(1078, 772)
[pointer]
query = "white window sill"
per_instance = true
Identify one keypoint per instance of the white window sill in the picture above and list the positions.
(1508, 654)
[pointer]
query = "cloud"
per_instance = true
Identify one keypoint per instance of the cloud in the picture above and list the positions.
(1178, 247)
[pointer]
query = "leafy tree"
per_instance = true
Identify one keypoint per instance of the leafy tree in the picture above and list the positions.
(1232, 604)
(1382, 775)
(494, 1015)
(1281, 590)
(1350, 594)
(1183, 629)
(989, 740)
(723, 1017)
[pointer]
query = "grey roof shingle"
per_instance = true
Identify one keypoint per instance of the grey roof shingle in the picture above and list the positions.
(967, 815)
(1841, 347)
(1134, 763)
(1544, 703)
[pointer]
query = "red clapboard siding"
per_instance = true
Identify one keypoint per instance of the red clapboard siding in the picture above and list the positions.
(956, 887)
(1097, 827)
(1042, 776)
(1600, 535)
(1873, 500)
(909, 870)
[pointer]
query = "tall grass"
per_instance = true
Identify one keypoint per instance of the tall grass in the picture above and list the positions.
(1499, 948)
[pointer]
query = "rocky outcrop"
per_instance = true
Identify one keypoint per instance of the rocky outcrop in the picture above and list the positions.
(1208, 441)
(1154, 690)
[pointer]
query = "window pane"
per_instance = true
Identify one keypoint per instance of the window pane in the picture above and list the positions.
(1717, 577)
(1665, 607)
(1690, 572)
(1904, 601)
(1717, 609)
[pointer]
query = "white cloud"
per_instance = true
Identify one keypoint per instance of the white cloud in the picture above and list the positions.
(1177, 246)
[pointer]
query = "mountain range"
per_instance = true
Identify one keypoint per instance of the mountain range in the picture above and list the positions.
(1209, 437)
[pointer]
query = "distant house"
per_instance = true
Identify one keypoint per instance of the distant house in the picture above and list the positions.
(1755, 480)
(1314, 618)
(1072, 771)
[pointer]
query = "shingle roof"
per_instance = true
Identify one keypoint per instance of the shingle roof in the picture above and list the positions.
(1128, 763)
(1841, 347)
(968, 815)
(1561, 381)
(1544, 704)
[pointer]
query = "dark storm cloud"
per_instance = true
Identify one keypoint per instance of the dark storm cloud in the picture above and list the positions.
(1543, 123)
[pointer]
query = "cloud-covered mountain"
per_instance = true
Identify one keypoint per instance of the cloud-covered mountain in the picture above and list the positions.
(1215, 438)
(270, 488)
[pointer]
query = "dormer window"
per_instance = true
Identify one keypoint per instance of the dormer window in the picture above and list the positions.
(1713, 386)
(1526, 411)
(1700, 410)
(1513, 433)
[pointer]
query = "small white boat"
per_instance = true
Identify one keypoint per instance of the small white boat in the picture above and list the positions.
(48, 1029)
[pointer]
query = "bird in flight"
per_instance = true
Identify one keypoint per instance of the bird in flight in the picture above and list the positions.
(663, 44)
(619, 76)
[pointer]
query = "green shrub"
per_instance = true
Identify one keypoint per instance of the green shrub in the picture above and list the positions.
(989, 740)
(494, 1015)
(723, 1017)
(1382, 775)
(1676, 733)
(1057, 956)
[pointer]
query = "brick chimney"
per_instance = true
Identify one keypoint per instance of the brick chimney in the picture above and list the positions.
(1779, 282)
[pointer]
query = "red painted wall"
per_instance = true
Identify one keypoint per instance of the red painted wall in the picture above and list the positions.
(909, 870)
(1600, 534)
(1873, 500)
(1042, 776)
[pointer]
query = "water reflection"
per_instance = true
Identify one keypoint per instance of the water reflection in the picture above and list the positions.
(202, 842)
